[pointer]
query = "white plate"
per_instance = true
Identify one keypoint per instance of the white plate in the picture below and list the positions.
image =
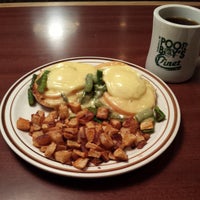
(15, 105)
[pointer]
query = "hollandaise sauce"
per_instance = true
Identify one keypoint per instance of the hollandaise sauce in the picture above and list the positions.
(127, 92)
(67, 78)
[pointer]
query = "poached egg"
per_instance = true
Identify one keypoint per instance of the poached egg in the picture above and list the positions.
(127, 91)
(67, 78)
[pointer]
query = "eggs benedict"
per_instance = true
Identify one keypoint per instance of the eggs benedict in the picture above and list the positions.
(126, 91)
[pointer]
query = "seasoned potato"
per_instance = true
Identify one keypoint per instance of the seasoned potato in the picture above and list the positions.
(43, 140)
(63, 156)
(102, 113)
(23, 124)
(50, 150)
(75, 107)
(80, 141)
(106, 140)
(80, 163)
(63, 111)
(120, 155)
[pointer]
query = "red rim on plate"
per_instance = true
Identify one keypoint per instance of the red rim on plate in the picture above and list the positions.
(15, 105)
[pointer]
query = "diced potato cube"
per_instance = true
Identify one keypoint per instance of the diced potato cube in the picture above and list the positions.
(73, 122)
(90, 134)
(74, 107)
(36, 134)
(35, 127)
(93, 153)
(23, 124)
(80, 153)
(140, 141)
(139, 138)
(63, 156)
(85, 116)
(73, 144)
(94, 146)
(43, 140)
(63, 111)
(115, 123)
(106, 140)
(50, 150)
(128, 139)
(80, 163)
(50, 118)
(56, 136)
(102, 113)
(120, 155)
(132, 124)
(37, 118)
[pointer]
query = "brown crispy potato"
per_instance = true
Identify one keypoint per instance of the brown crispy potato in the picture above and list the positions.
(63, 156)
(73, 144)
(56, 136)
(93, 153)
(73, 122)
(63, 111)
(94, 146)
(23, 124)
(120, 155)
(43, 140)
(79, 153)
(50, 150)
(102, 113)
(115, 123)
(80, 141)
(106, 140)
(75, 107)
(128, 140)
(50, 118)
(37, 118)
(90, 134)
(81, 163)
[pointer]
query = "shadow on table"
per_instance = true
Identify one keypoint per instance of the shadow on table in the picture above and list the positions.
(142, 174)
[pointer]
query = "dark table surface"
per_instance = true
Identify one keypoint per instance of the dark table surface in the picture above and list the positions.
(34, 34)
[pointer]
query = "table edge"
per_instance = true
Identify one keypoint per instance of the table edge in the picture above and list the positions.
(96, 3)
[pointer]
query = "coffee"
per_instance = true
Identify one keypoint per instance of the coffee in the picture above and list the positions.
(182, 21)
(174, 43)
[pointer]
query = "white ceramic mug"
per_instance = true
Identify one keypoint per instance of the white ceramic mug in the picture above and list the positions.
(175, 47)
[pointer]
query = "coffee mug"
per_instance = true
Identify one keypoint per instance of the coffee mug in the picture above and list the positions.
(175, 42)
